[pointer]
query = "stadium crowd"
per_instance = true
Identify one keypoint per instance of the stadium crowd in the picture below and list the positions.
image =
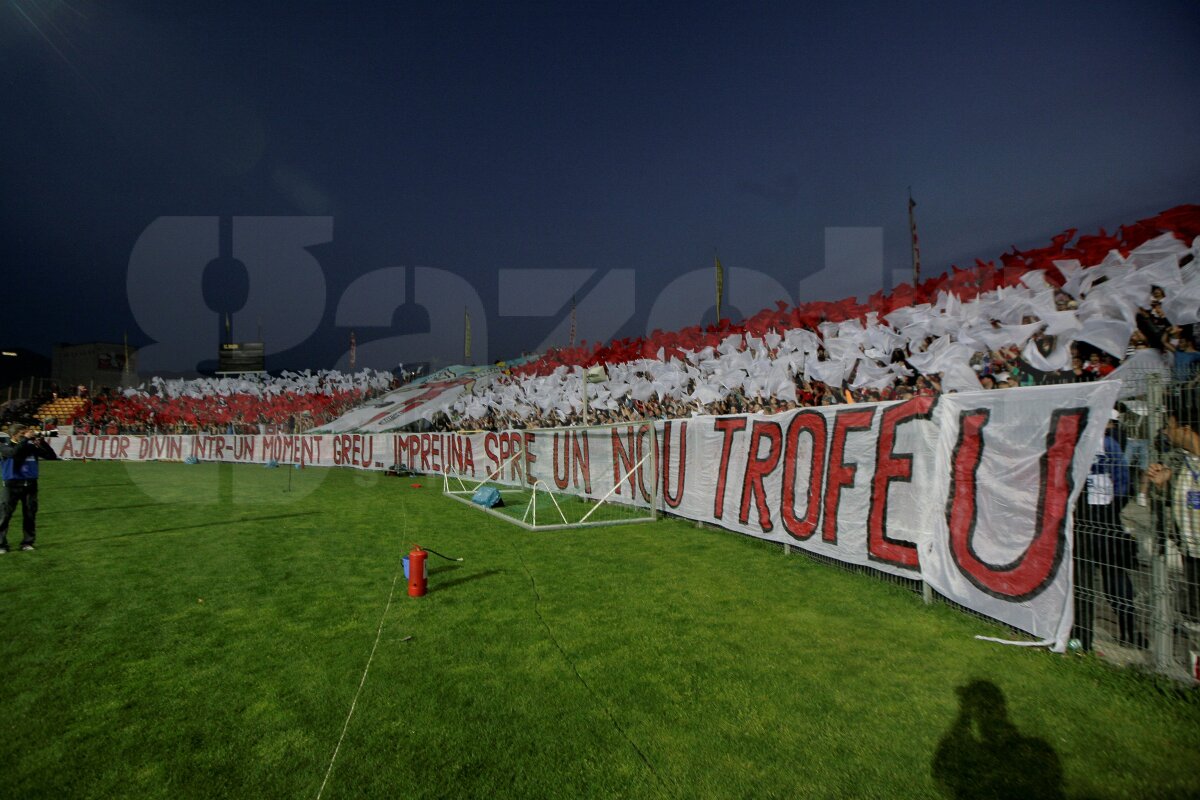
(1076, 310)
(289, 402)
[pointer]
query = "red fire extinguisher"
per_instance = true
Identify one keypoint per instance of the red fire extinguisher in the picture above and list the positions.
(416, 572)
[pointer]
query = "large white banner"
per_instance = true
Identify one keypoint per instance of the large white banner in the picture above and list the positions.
(1007, 474)
(971, 492)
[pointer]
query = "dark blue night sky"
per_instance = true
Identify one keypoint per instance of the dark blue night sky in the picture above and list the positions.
(483, 141)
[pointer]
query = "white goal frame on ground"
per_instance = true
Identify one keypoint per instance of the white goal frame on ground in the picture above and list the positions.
(459, 487)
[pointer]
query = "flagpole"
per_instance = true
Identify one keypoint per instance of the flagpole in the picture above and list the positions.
(720, 274)
(916, 248)
(126, 373)
(466, 335)
(572, 344)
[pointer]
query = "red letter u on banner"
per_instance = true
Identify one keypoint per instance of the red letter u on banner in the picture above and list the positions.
(1030, 573)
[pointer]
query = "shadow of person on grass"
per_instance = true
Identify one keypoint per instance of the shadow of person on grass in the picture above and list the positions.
(984, 756)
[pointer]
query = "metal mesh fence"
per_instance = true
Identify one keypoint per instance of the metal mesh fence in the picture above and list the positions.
(912, 584)
(1137, 531)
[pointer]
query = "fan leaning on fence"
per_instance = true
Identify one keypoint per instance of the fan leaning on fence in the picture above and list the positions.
(1104, 549)
(1180, 487)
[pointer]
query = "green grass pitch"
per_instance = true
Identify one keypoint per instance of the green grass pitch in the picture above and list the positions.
(201, 631)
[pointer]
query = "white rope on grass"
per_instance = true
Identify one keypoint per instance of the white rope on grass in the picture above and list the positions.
(367, 668)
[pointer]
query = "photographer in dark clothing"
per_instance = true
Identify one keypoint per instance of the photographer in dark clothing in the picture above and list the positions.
(19, 468)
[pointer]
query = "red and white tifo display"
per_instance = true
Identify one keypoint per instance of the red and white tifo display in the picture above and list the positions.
(972, 492)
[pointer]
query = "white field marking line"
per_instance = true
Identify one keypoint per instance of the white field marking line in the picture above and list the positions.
(367, 668)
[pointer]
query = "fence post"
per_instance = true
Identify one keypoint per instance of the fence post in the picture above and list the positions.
(1160, 633)
(656, 464)
(926, 593)
(1160, 625)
